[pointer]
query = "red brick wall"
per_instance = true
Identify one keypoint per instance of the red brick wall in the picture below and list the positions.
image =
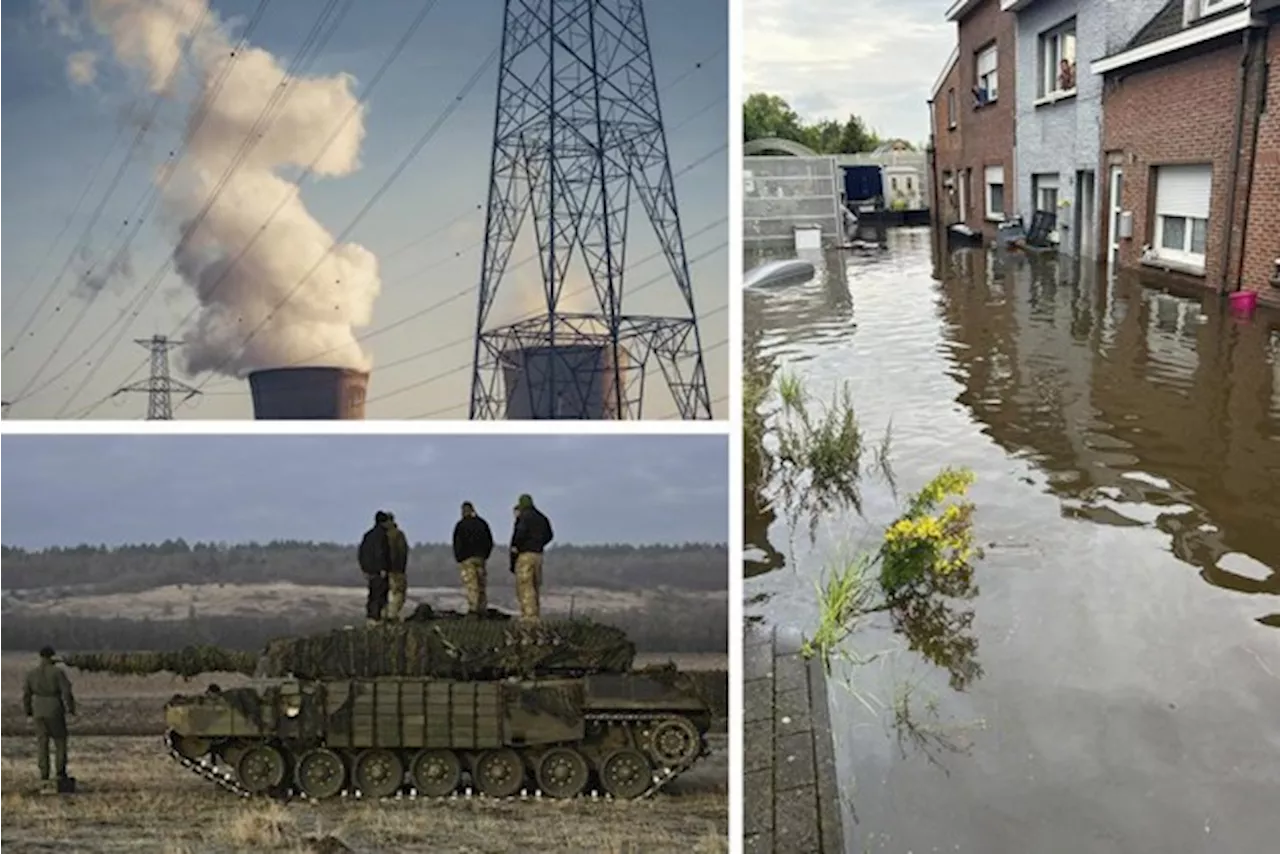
(946, 146)
(1184, 111)
(988, 133)
(1262, 246)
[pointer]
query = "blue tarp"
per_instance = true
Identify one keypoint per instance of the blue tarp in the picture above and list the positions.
(862, 183)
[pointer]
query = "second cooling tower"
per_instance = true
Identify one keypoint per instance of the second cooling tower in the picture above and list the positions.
(566, 382)
(308, 393)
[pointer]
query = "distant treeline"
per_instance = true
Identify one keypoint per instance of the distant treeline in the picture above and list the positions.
(681, 626)
(129, 569)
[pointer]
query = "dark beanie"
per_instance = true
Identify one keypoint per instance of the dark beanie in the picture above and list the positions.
(381, 516)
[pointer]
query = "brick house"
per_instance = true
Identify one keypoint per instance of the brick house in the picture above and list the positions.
(1059, 108)
(1191, 145)
(972, 109)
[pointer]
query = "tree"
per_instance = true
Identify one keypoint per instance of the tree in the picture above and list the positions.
(767, 116)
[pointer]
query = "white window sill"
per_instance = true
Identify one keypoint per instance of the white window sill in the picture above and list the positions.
(990, 102)
(1055, 97)
(995, 217)
(1170, 265)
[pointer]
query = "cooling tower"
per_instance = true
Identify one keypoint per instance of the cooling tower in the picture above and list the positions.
(566, 381)
(308, 393)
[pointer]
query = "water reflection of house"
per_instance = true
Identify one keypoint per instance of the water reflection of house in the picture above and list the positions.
(1142, 406)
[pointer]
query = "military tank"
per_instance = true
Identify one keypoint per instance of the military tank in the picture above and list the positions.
(441, 705)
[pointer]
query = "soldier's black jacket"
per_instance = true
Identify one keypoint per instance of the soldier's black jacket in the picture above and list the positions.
(384, 549)
(472, 538)
(532, 532)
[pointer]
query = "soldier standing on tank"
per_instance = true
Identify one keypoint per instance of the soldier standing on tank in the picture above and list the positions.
(531, 535)
(472, 546)
(47, 698)
(384, 557)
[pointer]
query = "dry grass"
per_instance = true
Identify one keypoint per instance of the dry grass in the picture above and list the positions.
(132, 797)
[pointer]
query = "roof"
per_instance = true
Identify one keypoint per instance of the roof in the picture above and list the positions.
(1165, 33)
(961, 8)
(946, 70)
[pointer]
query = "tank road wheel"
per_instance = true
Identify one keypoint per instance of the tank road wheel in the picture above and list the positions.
(674, 742)
(626, 774)
(499, 773)
(321, 773)
(191, 746)
(378, 773)
(562, 772)
(436, 773)
(260, 768)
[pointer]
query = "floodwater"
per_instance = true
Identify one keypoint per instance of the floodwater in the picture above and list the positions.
(1126, 444)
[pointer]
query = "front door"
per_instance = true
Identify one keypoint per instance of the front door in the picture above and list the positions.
(1086, 230)
(1117, 205)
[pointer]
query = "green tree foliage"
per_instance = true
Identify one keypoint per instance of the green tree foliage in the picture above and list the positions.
(770, 116)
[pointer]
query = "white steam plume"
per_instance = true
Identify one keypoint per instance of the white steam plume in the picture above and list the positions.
(320, 313)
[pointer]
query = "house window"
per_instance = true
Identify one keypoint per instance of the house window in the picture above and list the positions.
(1208, 7)
(951, 108)
(1045, 190)
(1182, 213)
(893, 183)
(1058, 61)
(995, 192)
(988, 88)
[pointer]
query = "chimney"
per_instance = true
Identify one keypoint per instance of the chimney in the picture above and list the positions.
(583, 386)
(308, 393)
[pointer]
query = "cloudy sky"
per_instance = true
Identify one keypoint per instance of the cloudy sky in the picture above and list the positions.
(70, 102)
(829, 58)
(65, 490)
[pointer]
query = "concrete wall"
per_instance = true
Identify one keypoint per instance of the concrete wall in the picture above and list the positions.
(1064, 137)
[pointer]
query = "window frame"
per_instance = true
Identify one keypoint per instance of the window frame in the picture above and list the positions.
(952, 112)
(1213, 7)
(1184, 256)
(1042, 182)
(993, 95)
(992, 214)
(1047, 88)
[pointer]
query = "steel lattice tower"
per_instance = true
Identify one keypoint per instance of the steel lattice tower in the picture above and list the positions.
(578, 138)
(159, 386)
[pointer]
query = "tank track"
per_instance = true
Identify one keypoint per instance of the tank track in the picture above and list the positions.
(225, 779)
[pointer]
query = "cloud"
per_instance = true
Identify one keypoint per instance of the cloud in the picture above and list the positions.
(57, 14)
(82, 67)
(830, 58)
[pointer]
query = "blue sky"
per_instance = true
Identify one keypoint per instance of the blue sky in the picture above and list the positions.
(65, 490)
(875, 58)
(57, 134)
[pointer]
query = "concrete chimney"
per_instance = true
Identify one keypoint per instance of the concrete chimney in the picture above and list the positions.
(308, 393)
(583, 386)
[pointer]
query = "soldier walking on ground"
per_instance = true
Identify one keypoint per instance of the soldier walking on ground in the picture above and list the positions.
(531, 535)
(384, 558)
(47, 698)
(472, 545)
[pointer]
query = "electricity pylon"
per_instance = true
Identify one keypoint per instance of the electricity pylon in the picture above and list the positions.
(578, 143)
(159, 386)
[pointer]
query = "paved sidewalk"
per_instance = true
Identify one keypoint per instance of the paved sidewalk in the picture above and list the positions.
(791, 800)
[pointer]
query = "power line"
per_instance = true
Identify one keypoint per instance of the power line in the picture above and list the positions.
(307, 173)
(160, 387)
(150, 198)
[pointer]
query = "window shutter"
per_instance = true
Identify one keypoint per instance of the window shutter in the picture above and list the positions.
(1047, 182)
(995, 174)
(1184, 191)
(987, 61)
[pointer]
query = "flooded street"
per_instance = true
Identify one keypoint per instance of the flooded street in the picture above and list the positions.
(1126, 447)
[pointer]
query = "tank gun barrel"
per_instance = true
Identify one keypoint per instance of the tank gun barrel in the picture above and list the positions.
(186, 662)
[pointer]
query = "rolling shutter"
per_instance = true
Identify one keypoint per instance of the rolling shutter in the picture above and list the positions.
(987, 61)
(995, 175)
(1184, 191)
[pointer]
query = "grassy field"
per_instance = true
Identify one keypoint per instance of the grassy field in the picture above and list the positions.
(132, 797)
(133, 705)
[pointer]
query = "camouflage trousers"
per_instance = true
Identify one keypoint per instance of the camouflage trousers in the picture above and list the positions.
(474, 582)
(55, 730)
(529, 584)
(397, 586)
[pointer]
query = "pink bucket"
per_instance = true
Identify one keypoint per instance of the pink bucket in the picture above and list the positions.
(1243, 302)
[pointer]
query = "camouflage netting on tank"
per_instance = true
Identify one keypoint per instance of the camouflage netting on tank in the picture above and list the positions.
(186, 662)
(452, 647)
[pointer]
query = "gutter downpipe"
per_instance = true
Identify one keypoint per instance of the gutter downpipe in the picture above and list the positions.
(1237, 142)
(1258, 107)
